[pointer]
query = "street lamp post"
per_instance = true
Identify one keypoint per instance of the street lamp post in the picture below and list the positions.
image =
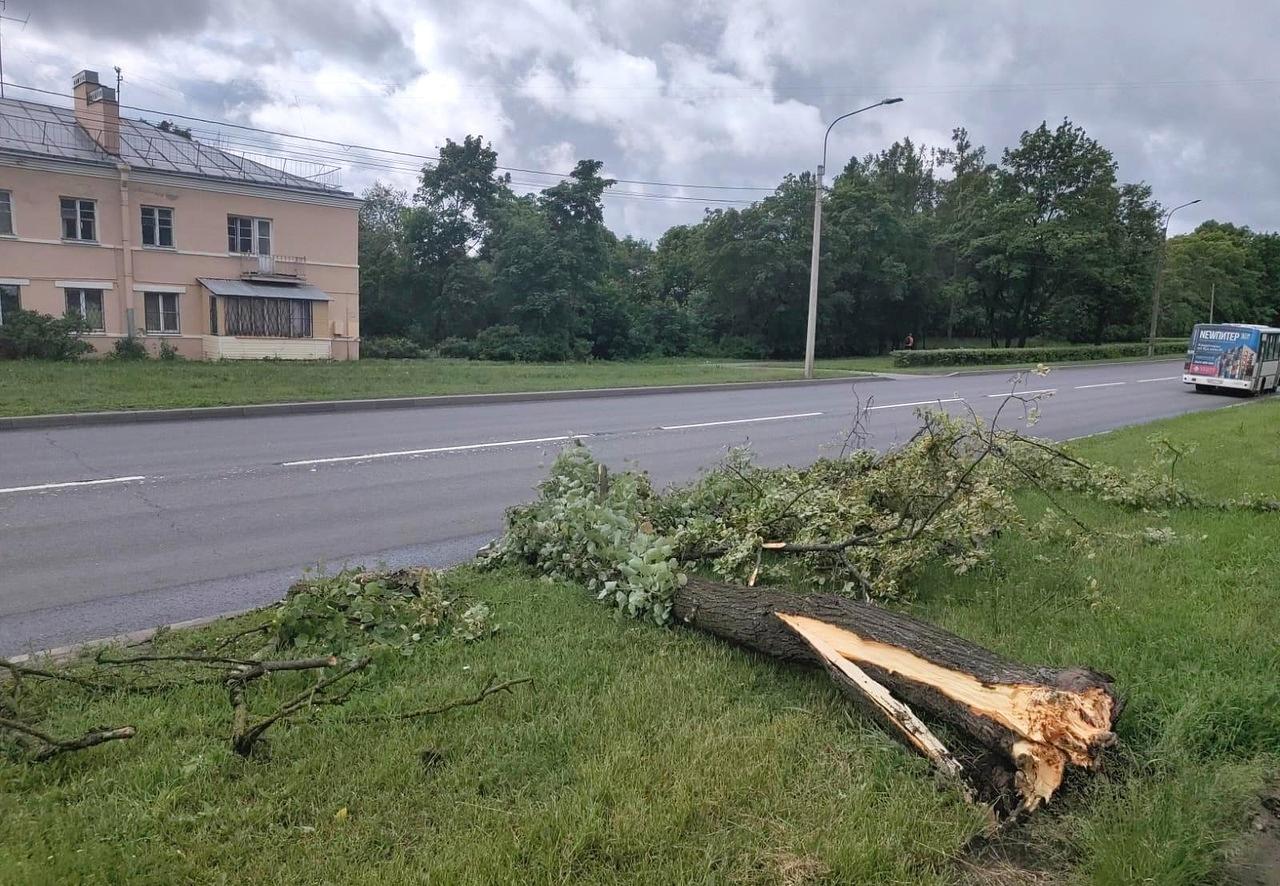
(1155, 289)
(811, 330)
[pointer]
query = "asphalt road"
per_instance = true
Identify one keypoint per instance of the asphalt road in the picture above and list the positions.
(198, 518)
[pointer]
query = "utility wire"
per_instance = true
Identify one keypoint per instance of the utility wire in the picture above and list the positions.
(345, 146)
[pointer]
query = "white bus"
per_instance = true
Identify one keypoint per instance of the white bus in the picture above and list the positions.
(1233, 356)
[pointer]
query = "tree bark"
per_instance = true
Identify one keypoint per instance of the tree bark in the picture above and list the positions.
(1030, 721)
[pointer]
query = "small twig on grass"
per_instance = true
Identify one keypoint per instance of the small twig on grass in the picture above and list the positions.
(240, 635)
(489, 688)
(18, 671)
(244, 736)
(54, 746)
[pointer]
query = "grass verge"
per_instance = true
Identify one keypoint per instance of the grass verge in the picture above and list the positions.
(645, 755)
(29, 387)
(36, 388)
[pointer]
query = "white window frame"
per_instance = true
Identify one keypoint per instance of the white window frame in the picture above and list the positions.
(82, 296)
(260, 233)
(17, 297)
(6, 210)
(160, 298)
(79, 207)
(155, 212)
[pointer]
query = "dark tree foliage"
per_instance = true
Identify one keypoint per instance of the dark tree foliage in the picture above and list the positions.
(941, 244)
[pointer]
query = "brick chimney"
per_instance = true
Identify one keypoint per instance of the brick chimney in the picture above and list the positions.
(97, 110)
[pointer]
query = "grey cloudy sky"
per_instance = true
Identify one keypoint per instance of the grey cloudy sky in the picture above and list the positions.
(723, 92)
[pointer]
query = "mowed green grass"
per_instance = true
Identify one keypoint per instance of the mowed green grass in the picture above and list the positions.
(648, 755)
(29, 387)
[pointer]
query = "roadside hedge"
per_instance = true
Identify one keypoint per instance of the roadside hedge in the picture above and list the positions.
(988, 356)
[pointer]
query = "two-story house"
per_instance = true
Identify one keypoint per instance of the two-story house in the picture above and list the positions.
(144, 231)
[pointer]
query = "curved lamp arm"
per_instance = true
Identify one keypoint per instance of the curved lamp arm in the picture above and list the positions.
(883, 101)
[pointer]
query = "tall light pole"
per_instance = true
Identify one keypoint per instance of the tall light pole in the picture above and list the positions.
(1155, 289)
(811, 330)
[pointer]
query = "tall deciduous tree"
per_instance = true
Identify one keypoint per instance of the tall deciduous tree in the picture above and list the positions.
(452, 215)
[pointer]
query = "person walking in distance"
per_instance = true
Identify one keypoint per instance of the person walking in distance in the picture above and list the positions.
(909, 343)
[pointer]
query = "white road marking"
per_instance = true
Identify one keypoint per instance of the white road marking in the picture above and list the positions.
(1105, 384)
(1143, 381)
(370, 456)
(737, 421)
(1012, 393)
(74, 484)
(918, 403)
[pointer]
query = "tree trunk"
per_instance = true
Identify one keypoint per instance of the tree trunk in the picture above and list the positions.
(1026, 722)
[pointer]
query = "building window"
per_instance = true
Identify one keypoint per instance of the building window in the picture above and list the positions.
(248, 236)
(213, 315)
(6, 212)
(8, 301)
(78, 219)
(87, 305)
(267, 317)
(157, 226)
(161, 312)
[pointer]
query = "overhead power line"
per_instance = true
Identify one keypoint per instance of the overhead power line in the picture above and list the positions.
(390, 152)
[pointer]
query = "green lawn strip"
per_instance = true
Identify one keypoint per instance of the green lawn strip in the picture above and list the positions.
(32, 388)
(644, 755)
(39, 388)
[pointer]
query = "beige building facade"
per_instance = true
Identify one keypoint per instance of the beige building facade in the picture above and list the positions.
(144, 231)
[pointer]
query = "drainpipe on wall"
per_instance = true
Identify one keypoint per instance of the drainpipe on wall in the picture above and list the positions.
(125, 266)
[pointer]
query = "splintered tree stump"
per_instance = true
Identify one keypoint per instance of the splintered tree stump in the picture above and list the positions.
(1027, 723)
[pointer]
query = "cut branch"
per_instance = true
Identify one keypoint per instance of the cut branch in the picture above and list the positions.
(244, 736)
(52, 746)
(18, 671)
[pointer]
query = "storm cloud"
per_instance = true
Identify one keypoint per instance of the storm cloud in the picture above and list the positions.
(709, 92)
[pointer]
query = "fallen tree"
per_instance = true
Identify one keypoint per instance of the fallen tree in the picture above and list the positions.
(1027, 723)
(861, 526)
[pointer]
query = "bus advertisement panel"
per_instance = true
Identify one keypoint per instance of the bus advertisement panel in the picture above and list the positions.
(1229, 353)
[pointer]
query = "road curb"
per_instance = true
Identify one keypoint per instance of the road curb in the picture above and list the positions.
(311, 407)
(129, 638)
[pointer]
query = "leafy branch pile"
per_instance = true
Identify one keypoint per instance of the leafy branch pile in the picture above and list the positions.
(386, 610)
(859, 525)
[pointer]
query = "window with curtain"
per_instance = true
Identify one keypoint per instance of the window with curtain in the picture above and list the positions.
(6, 212)
(157, 226)
(87, 305)
(79, 219)
(161, 310)
(248, 236)
(9, 301)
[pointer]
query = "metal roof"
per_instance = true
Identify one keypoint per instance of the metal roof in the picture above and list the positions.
(253, 289)
(49, 131)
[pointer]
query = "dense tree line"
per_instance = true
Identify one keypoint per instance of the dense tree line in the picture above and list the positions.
(938, 243)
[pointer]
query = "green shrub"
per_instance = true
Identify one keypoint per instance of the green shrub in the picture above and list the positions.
(168, 352)
(503, 343)
(32, 335)
(129, 349)
(456, 347)
(987, 356)
(393, 347)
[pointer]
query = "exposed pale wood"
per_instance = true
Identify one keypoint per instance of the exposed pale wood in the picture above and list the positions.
(1031, 721)
(896, 716)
